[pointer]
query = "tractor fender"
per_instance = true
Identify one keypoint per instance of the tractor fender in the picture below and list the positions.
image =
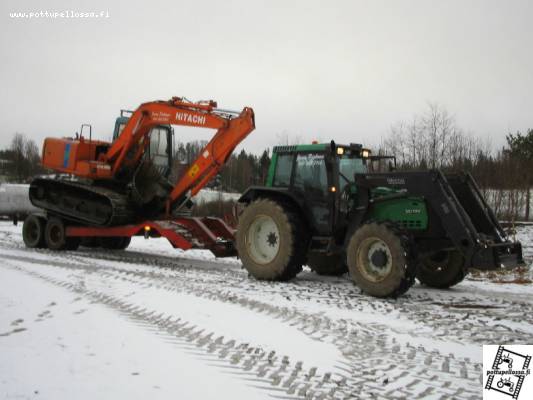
(275, 193)
(255, 192)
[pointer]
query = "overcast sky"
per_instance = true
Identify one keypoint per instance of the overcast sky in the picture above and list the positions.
(346, 70)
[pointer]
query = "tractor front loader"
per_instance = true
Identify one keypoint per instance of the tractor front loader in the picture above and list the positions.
(322, 207)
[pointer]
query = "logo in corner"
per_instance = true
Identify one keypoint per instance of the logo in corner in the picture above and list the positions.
(506, 377)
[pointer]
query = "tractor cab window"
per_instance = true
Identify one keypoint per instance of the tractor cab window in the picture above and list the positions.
(311, 174)
(282, 176)
(348, 167)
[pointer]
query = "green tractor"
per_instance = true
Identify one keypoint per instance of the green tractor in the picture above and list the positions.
(324, 206)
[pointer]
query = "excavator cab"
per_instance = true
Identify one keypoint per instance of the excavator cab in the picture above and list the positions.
(161, 147)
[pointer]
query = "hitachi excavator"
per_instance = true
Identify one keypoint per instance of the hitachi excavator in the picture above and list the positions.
(105, 193)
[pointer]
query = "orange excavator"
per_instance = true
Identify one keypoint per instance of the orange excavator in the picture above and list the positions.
(105, 193)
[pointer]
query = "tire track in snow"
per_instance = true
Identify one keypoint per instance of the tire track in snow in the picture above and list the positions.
(335, 293)
(416, 369)
(262, 369)
(429, 309)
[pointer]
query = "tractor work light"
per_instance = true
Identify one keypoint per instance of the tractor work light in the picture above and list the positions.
(333, 189)
(365, 153)
(340, 151)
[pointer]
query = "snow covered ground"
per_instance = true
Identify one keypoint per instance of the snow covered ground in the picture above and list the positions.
(209, 195)
(155, 322)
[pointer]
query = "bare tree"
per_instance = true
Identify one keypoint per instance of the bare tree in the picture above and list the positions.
(33, 159)
(17, 152)
(431, 139)
(25, 158)
(285, 138)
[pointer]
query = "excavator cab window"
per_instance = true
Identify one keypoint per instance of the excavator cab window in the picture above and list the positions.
(160, 151)
(119, 130)
(120, 123)
(161, 144)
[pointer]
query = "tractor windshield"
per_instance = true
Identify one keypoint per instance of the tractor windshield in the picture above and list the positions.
(349, 166)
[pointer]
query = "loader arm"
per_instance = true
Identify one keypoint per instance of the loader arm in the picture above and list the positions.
(232, 127)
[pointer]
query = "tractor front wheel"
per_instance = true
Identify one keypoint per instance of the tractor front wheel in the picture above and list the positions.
(380, 260)
(323, 264)
(271, 241)
(441, 270)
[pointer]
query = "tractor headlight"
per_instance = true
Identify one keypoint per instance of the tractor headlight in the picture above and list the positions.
(365, 153)
(340, 151)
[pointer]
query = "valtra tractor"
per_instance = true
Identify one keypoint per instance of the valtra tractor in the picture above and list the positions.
(323, 206)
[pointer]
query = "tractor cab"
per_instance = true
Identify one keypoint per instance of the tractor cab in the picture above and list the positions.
(322, 176)
(161, 143)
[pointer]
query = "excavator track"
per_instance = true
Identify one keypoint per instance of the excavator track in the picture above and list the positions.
(82, 203)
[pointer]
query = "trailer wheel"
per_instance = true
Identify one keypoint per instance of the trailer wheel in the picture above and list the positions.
(115, 242)
(73, 243)
(380, 260)
(323, 264)
(90, 241)
(125, 243)
(55, 235)
(441, 270)
(33, 231)
(271, 240)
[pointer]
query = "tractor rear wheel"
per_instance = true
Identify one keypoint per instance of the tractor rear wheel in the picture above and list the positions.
(380, 260)
(323, 264)
(271, 240)
(55, 235)
(33, 231)
(441, 270)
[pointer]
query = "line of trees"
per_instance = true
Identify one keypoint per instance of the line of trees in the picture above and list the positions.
(431, 139)
(21, 161)
(242, 170)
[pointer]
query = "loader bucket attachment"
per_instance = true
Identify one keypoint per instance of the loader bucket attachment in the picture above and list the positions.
(459, 217)
(499, 250)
